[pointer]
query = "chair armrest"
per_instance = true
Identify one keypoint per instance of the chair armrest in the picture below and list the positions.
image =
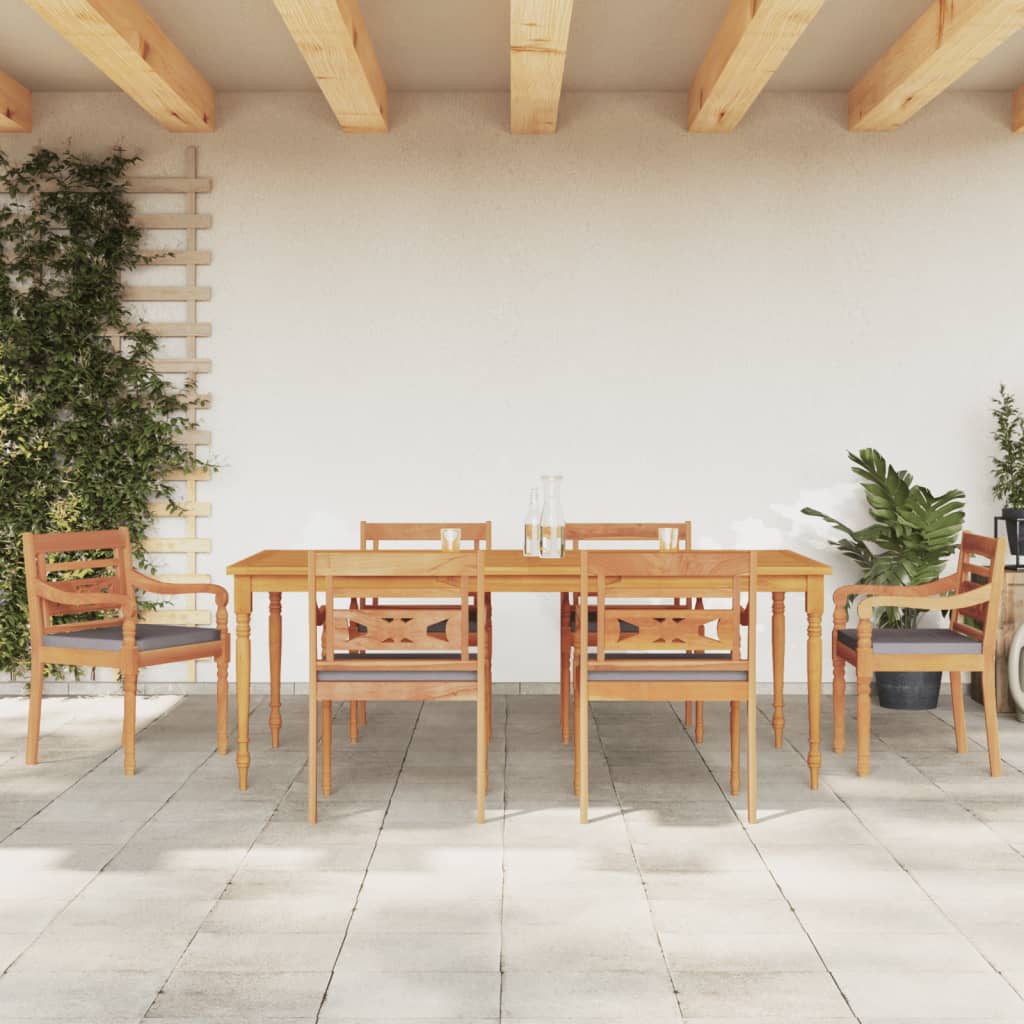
(154, 586)
(842, 595)
(90, 601)
(967, 599)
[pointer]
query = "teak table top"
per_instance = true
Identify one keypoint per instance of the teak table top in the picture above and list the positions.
(510, 570)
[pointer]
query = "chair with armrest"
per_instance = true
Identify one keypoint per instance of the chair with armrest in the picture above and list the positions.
(88, 578)
(576, 536)
(669, 652)
(971, 595)
(373, 535)
(412, 650)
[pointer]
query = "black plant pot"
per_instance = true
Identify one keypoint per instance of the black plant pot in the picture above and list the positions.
(908, 691)
(1015, 529)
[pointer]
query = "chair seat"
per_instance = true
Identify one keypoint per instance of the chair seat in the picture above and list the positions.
(399, 676)
(914, 641)
(148, 637)
(674, 672)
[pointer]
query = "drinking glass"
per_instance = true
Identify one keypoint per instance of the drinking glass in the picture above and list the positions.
(668, 538)
(451, 539)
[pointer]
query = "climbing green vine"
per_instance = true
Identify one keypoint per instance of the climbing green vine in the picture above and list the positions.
(87, 434)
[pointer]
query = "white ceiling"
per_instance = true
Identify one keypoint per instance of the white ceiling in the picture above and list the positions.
(242, 45)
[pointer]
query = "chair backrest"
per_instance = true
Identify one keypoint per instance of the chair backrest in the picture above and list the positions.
(76, 563)
(577, 534)
(717, 579)
(982, 562)
(404, 631)
(372, 534)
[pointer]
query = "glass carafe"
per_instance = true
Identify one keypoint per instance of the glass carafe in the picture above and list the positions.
(552, 521)
(531, 526)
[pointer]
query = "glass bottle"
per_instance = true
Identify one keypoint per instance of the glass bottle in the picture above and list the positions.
(531, 526)
(552, 522)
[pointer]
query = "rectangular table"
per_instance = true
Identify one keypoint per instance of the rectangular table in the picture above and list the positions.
(276, 572)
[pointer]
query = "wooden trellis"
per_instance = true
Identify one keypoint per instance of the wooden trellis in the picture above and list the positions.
(185, 365)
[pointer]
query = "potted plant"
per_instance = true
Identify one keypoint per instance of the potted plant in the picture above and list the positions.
(1008, 466)
(912, 537)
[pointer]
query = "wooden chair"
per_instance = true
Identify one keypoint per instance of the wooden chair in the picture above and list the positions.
(404, 651)
(71, 575)
(576, 535)
(671, 652)
(373, 535)
(972, 597)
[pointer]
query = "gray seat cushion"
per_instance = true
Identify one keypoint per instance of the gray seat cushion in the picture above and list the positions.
(914, 641)
(148, 637)
(402, 676)
(674, 671)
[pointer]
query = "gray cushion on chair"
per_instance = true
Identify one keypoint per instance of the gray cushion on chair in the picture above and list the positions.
(674, 674)
(401, 676)
(914, 641)
(148, 637)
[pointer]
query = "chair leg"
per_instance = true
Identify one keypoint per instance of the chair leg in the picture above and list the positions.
(838, 705)
(576, 745)
(688, 714)
(222, 705)
(131, 679)
(489, 699)
(362, 714)
(734, 747)
(863, 723)
(956, 685)
(698, 732)
(565, 654)
(35, 713)
(326, 730)
(353, 721)
(312, 760)
(584, 747)
(490, 672)
(752, 762)
(481, 759)
(988, 693)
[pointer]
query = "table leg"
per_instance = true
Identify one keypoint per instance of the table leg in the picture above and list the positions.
(243, 670)
(778, 663)
(275, 669)
(815, 607)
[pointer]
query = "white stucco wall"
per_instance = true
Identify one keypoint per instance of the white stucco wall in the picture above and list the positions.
(414, 326)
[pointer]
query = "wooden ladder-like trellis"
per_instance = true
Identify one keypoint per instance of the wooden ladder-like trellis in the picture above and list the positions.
(187, 366)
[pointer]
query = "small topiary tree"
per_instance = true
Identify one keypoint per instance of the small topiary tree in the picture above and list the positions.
(88, 434)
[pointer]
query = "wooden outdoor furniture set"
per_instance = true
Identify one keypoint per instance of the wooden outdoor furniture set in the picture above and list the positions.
(416, 625)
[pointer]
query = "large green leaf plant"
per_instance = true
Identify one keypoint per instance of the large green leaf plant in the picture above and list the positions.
(88, 434)
(913, 536)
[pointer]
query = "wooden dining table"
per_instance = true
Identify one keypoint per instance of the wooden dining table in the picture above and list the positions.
(276, 572)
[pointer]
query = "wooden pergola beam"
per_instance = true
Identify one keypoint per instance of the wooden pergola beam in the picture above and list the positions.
(131, 49)
(331, 36)
(15, 106)
(753, 40)
(539, 38)
(944, 43)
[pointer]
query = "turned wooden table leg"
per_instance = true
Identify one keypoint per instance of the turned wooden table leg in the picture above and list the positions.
(243, 670)
(275, 669)
(815, 607)
(778, 664)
